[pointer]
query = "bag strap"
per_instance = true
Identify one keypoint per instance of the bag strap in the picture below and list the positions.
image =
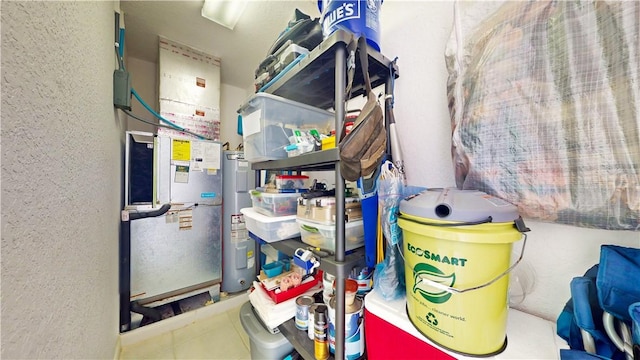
(364, 62)
(359, 44)
(351, 68)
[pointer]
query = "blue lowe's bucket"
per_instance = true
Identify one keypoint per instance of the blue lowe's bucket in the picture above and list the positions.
(361, 17)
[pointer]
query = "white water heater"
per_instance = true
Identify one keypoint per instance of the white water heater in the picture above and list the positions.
(238, 249)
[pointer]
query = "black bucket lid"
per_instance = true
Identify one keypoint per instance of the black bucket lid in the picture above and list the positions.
(452, 204)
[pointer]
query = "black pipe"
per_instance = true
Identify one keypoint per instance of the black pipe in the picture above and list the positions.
(152, 313)
(153, 213)
(125, 264)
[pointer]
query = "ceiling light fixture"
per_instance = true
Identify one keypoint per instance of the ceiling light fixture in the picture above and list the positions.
(224, 12)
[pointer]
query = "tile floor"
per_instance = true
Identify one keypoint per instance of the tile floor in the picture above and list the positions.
(219, 336)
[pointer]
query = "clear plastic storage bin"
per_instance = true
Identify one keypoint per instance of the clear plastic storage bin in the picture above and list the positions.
(288, 54)
(275, 204)
(263, 344)
(268, 122)
(286, 183)
(270, 228)
(323, 209)
(324, 236)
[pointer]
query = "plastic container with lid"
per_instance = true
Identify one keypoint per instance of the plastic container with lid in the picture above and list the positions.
(274, 204)
(269, 120)
(324, 236)
(270, 228)
(323, 209)
(457, 248)
(263, 344)
(287, 55)
(291, 182)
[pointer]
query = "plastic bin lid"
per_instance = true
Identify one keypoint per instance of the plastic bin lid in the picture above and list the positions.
(458, 205)
(328, 227)
(257, 99)
(256, 331)
(251, 213)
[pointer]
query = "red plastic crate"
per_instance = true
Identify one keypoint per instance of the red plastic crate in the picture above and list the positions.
(294, 292)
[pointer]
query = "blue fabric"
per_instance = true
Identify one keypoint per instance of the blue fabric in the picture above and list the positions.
(583, 311)
(618, 280)
(578, 355)
(585, 303)
(634, 313)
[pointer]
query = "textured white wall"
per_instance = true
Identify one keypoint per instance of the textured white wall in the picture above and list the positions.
(417, 32)
(144, 79)
(555, 254)
(231, 98)
(61, 181)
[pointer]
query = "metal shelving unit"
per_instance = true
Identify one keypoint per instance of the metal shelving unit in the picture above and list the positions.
(317, 160)
(319, 80)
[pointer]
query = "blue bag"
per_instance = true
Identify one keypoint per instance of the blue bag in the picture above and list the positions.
(610, 286)
(583, 313)
(579, 355)
(618, 280)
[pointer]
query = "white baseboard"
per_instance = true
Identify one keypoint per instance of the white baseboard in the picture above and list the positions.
(182, 320)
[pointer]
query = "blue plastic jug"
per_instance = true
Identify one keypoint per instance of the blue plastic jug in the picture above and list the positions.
(361, 17)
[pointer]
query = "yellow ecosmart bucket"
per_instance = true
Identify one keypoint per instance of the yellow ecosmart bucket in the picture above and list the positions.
(457, 251)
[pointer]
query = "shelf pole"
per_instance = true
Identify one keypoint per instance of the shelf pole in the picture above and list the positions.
(387, 110)
(339, 105)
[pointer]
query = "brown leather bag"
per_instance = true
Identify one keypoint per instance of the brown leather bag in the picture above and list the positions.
(362, 150)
